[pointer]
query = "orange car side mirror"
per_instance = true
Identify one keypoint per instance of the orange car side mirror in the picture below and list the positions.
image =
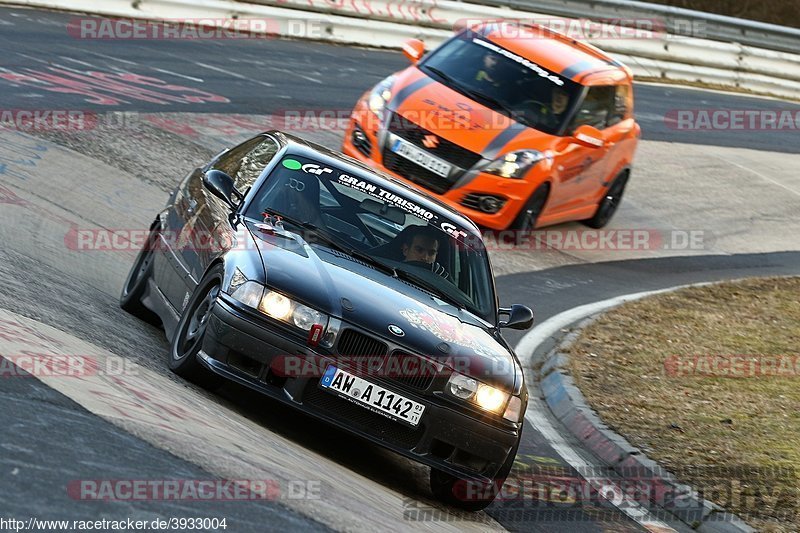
(413, 49)
(589, 136)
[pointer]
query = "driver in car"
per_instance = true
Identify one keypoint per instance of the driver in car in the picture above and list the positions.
(551, 115)
(421, 246)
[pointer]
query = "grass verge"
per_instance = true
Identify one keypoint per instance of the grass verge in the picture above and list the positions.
(706, 381)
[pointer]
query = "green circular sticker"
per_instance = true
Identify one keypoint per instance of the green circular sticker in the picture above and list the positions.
(292, 164)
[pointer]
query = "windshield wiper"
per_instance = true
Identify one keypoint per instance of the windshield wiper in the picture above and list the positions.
(430, 287)
(494, 102)
(442, 75)
(370, 260)
(476, 95)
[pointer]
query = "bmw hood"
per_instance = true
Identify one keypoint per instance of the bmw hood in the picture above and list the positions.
(391, 309)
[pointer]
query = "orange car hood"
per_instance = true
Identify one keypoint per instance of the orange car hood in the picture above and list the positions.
(459, 119)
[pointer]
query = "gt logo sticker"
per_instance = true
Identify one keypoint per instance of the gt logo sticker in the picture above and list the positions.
(311, 168)
(451, 229)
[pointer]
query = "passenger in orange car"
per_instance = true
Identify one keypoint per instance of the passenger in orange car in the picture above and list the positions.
(487, 73)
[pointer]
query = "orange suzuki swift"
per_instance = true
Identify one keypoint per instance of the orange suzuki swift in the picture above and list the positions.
(512, 124)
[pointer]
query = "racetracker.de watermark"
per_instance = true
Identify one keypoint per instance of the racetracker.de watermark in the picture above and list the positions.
(211, 490)
(595, 29)
(67, 120)
(72, 120)
(622, 240)
(749, 120)
(459, 117)
(733, 366)
(133, 240)
(193, 29)
(563, 494)
(591, 240)
(35, 364)
(375, 365)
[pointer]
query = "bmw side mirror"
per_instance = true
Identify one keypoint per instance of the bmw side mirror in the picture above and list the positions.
(519, 317)
(221, 185)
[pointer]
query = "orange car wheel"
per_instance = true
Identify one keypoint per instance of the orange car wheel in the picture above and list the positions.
(527, 217)
(609, 204)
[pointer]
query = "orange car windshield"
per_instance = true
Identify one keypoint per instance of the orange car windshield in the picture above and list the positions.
(503, 81)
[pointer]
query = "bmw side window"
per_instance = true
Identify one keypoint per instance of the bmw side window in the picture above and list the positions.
(254, 163)
(595, 108)
(244, 163)
(621, 109)
(230, 161)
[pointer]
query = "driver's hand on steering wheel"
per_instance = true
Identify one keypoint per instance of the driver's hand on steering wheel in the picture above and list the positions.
(434, 267)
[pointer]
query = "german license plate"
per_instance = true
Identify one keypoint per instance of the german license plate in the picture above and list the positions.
(371, 396)
(421, 158)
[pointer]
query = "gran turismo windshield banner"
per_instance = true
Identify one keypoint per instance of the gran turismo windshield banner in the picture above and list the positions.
(371, 189)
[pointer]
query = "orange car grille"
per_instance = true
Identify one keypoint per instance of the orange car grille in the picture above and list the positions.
(445, 150)
(415, 173)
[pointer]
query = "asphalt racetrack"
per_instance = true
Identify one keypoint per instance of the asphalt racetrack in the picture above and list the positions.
(183, 102)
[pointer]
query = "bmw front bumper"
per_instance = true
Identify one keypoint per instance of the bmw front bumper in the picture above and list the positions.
(242, 347)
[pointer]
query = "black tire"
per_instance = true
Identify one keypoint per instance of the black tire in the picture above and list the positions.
(452, 491)
(529, 215)
(609, 204)
(135, 284)
(191, 330)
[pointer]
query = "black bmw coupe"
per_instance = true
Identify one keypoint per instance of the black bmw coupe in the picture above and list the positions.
(303, 274)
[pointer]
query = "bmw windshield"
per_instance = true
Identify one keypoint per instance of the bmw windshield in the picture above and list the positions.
(390, 229)
(503, 81)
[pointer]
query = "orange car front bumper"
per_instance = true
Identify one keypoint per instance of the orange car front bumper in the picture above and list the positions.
(511, 194)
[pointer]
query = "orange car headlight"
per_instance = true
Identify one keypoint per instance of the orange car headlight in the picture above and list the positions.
(514, 164)
(380, 96)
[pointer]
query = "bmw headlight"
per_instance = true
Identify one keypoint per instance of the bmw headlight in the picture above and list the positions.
(490, 399)
(484, 396)
(276, 305)
(279, 306)
(462, 387)
(305, 317)
(380, 96)
(249, 293)
(514, 164)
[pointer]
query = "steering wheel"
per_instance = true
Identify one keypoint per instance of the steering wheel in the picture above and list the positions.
(434, 267)
(532, 110)
(533, 102)
(420, 264)
(533, 107)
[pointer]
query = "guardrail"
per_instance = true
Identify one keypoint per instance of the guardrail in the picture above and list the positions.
(654, 55)
(676, 20)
